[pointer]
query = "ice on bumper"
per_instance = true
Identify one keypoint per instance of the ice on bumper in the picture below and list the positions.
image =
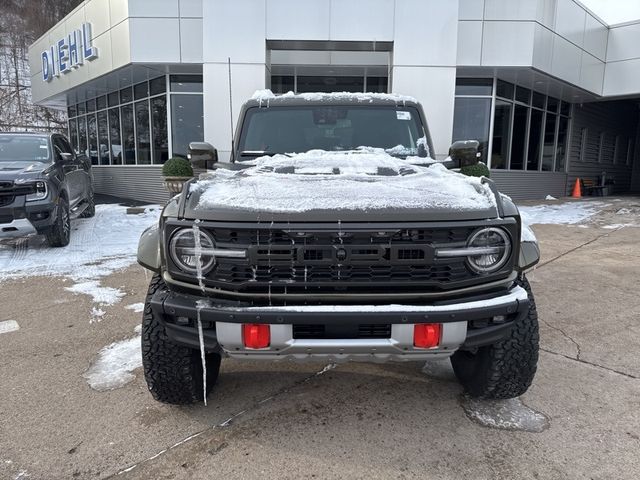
(366, 180)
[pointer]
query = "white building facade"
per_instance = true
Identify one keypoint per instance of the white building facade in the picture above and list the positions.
(548, 89)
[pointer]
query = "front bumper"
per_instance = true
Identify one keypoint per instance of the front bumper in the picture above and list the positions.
(466, 324)
(20, 218)
(17, 228)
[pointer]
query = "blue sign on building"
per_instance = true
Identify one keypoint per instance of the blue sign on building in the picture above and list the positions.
(68, 53)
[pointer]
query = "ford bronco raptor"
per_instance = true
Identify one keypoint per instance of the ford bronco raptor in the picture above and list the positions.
(333, 233)
(43, 185)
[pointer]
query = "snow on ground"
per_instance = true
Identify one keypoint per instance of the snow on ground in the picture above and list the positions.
(136, 307)
(9, 326)
(568, 213)
(509, 414)
(99, 246)
(359, 180)
(115, 363)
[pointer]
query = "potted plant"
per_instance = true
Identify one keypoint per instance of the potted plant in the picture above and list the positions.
(176, 171)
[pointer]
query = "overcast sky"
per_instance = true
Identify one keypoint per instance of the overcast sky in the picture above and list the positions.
(614, 11)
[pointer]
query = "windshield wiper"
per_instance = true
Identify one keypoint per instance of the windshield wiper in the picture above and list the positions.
(261, 153)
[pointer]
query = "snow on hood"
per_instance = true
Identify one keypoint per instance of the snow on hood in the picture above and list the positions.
(25, 166)
(266, 95)
(365, 180)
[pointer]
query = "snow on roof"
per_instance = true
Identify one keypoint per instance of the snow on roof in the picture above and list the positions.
(266, 95)
(366, 180)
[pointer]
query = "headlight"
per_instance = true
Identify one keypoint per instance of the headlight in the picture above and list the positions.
(184, 248)
(493, 246)
(40, 193)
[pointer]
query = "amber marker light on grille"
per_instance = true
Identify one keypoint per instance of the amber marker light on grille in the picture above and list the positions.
(256, 335)
(426, 335)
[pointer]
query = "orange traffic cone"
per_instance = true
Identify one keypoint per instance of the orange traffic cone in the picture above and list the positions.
(576, 190)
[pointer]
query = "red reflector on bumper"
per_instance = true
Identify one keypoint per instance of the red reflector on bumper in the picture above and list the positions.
(427, 335)
(256, 335)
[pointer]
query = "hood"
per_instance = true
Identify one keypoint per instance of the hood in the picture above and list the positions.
(363, 185)
(21, 169)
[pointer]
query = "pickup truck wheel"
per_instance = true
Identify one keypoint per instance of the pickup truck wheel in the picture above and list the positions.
(506, 368)
(59, 233)
(173, 373)
(90, 211)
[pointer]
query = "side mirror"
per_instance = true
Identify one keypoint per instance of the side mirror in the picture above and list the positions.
(202, 155)
(66, 157)
(465, 153)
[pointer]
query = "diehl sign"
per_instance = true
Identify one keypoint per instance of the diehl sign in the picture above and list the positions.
(68, 53)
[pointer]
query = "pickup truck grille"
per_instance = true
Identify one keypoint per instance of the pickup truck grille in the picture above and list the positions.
(340, 259)
(8, 191)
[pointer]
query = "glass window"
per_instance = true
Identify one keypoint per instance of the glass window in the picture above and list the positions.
(92, 134)
(103, 138)
(159, 129)
(474, 86)
(584, 136)
(619, 151)
(91, 105)
(141, 90)
(115, 144)
(82, 135)
(552, 104)
(313, 83)
(73, 133)
(113, 99)
(538, 100)
(128, 135)
(186, 121)
(101, 102)
(523, 95)
(186, 83)
(519, 139)
(565, 108)
(126, 95)
(143, 133)
(535, 137)
(71, 111)
(501, 128)
(561, 149)
(471, 121)
(377, 84)
(505, 90)
(282, 83)
(548, 146)
(157, 86)
(25, 148)
(82, 108)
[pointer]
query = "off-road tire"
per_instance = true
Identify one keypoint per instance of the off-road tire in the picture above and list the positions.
(173, 372)
(59, 233)
(506, 368)
(90, 211)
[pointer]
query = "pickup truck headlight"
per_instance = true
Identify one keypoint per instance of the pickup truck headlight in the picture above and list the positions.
(493, 248)
(40, 193)
(184, 249)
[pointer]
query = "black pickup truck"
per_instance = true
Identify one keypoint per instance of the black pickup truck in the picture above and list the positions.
(333, 233)
(43, 185)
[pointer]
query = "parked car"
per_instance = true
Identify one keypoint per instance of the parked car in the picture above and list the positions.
(361, 246)
(43, 186)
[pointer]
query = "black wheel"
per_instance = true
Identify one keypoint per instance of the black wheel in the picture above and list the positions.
(59, 233)
(90, 211)
(173, 373)
(504, 369)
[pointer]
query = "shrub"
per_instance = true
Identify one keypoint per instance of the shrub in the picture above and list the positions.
(177, 167)
(477, 170)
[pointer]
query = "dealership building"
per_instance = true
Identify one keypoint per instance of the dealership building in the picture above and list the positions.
(549, 90)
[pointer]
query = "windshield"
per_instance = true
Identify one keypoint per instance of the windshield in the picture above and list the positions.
(284, 130)
(23, 148)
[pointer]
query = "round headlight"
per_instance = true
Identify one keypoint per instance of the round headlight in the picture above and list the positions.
(495, 246)
(184, 249)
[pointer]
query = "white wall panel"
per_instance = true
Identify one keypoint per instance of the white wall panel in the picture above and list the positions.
(591, 73)
(621, 78)
(118, 10)
(103, 64)
(570, 21)
(434, 87)
(155, 40)
(469, 43)
(546, 13)
(289, 20)
(98, 13)
(120, 45)
(235, 29)
(624, 43)
(510, 9)
(508, 43)
(190, 8)
(595, 38)
(153, 8)
(191, 40)
(373, 20)
(543, 48)
(566, 60)
(470, 9)
(435, 43)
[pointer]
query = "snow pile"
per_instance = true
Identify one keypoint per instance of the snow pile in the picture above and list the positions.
(136, 307)
(266, 95)
(509, 414)
(569, 213)
(367, 179)
(113, 367)
(100, 294)
(9, 326)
